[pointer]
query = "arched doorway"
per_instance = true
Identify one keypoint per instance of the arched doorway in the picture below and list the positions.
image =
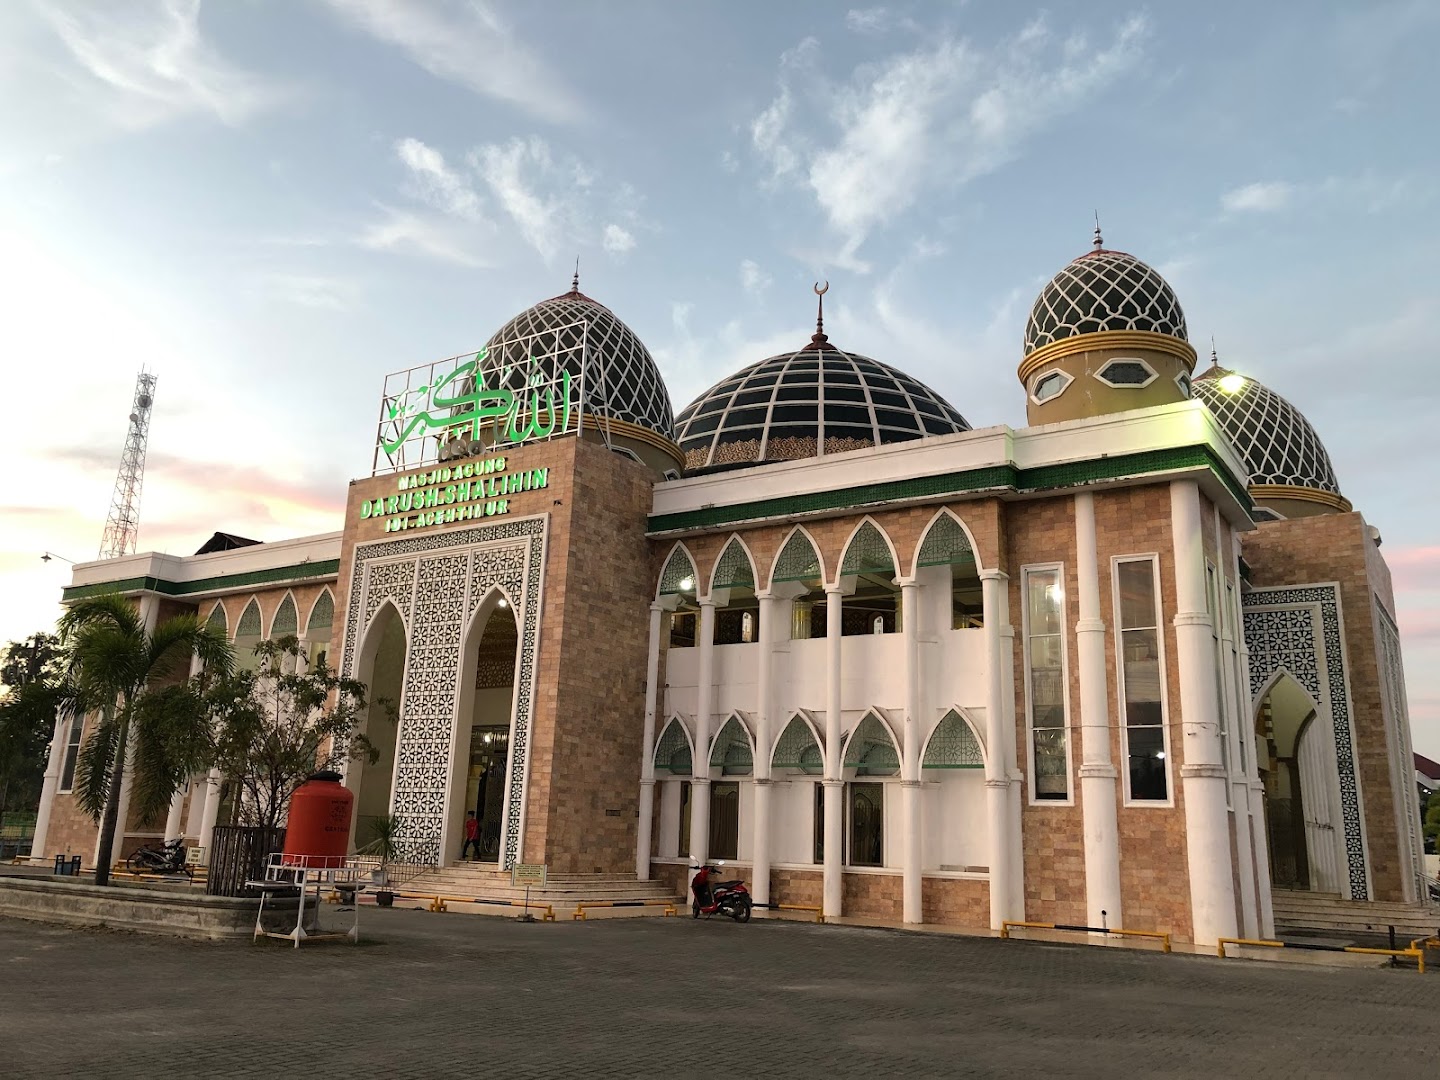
(1295, 752)
(483, 741)
(381, 668)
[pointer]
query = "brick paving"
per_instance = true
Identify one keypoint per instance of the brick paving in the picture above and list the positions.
(449, 995)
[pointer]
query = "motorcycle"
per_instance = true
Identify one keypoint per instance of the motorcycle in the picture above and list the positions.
(718, 897)
(169, 859)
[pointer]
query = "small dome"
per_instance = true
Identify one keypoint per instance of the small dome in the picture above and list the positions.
(1103, 290)
(621, 379)
(803, 404)
(1272, 437)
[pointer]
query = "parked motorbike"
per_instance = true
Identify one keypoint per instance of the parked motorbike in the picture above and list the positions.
(169, 859)
(713, 897)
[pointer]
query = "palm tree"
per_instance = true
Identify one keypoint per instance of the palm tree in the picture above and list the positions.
(126, 675)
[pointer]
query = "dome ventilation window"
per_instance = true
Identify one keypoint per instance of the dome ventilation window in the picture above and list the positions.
(1127, 374)
(1050, 385)
(1183, 381)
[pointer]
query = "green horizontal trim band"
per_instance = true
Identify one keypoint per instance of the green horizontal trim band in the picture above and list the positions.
(274, 576)
(967, 482)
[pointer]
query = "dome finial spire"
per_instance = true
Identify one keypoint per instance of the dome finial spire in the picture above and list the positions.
(819, 340)
(575, 281)
(1099, 240)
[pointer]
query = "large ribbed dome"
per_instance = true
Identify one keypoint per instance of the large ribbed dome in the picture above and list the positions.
(1272, 437)
(802, 404)
(1103, 290)
(621, 379)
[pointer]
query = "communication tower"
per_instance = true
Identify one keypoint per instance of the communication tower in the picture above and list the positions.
(122, 527)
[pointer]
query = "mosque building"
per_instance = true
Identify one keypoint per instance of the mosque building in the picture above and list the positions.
(1134, 664)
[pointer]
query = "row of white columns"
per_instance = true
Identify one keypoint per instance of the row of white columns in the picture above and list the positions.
(1002, 777)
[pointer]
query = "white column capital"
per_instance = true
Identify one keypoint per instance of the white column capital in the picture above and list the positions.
(647, 781)
(993, 575)
(1193, 618)
(1099, 770)
(1090, 626)
(827, 782)
(834, 589)
(907, 582)
(912, 783)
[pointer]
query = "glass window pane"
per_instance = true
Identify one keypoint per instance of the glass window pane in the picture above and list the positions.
(724, 821)
(1051, 780)
(867, 824)
(1147, 763)
(1137, 593)
(1044, 600)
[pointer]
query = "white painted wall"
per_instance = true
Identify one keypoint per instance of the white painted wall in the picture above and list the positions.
(954, 819)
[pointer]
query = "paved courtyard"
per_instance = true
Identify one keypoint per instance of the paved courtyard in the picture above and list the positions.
(453, 995)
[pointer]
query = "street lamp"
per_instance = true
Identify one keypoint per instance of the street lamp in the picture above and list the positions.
(51, 555)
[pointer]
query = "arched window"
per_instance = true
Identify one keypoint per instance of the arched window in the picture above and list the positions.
(247, 636)
(946, 544)
(734, 583)
(286, 621)
(869, 561)
(797, 749)
(672, 752)
(871, 751)
(677, 583)
(731, 753)
(799, 564)
(216, 619)
(320, 628)
(953, 746)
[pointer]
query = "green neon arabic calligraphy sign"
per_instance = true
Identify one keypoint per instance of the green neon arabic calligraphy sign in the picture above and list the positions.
(459, 403)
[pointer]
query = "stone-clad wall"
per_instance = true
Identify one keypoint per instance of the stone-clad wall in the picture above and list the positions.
(1154, 872)
(1337, 547)
(598, 664)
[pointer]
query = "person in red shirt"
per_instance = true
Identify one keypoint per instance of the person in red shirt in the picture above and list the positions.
(472, 834)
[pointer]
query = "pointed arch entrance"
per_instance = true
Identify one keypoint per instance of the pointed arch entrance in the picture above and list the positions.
(485, 732)
(1294, 752)
(381, 667)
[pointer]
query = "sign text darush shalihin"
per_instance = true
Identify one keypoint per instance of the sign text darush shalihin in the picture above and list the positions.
(461, 492)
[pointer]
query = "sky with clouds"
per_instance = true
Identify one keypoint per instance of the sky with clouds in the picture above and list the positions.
(272, 204)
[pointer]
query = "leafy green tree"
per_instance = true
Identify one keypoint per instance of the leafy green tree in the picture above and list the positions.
(275, 726)
(31, 670)
(128, 677)
(1432, 823)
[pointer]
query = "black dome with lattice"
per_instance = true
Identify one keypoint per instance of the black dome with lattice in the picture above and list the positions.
(1272, 437)
(621, 379)
(802, 404)
(1103, 290)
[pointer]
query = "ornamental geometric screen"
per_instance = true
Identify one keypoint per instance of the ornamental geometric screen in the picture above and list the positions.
(678, 571)
(798, 560)
(1271, 436)
(946, 543)
(249, 624)
(871, 751)
(731, 753)
(868, 553)
(672, 752)
(953, 746)
(734, 567)
(322, 615)
(797, 748)
(286, 620)
(808, 403)
(1103, 290)
(216, 621)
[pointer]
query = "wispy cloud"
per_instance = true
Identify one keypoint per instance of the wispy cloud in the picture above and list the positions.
(154, 64)
(519, 174)
(1258, 198)
(471, 46)
(618, 240)
(406, 232)
(1368, 191)
(313, 290)
(753, 279)
(436, 183)
(938, 116)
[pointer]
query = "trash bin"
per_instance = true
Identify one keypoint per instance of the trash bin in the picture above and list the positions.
(67, 865)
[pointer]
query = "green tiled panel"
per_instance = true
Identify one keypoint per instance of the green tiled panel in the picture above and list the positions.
(299, 572)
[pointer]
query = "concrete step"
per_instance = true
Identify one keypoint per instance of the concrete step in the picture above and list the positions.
(1331, 913)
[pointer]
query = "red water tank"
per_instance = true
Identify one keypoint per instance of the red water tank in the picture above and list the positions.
(319, 825)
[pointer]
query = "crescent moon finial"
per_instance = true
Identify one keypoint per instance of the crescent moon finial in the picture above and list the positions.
(821, 290)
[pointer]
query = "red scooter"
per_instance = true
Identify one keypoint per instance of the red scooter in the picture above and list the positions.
(718, 897)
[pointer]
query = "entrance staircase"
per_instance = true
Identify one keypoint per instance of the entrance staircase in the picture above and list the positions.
(483, 881)
(1326, 913)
